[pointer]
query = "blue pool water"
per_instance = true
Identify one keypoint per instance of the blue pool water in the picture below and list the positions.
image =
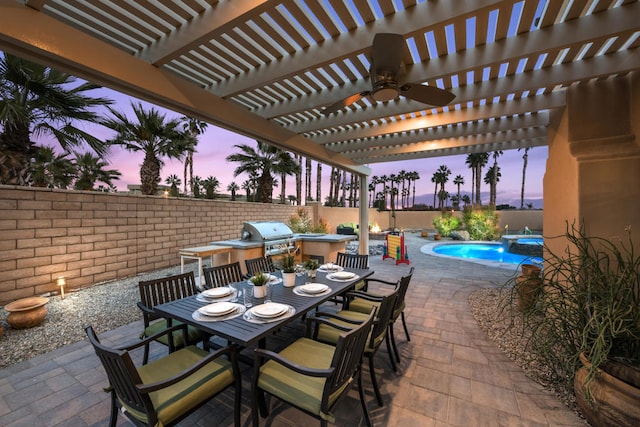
(485, 251)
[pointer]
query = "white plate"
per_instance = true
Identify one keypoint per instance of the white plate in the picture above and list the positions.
(217, 292)
(269, 310)
(217, 309)
(314, 288)
(343, 275)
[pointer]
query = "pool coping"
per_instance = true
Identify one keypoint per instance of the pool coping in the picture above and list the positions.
(428, 250)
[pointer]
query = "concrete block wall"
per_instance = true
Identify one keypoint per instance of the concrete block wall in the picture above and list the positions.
(91, 237)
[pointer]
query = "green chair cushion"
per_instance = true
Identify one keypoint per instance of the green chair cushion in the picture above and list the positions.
(193, 334)
(330, 335)
(359, 286)
(175, 400)
(303, 391)
(362, 305)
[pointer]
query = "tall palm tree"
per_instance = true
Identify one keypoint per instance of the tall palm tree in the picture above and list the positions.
(174, 182)
(492, 178)
(51, 170)
(193, 127)
(233, 188)
(415, 176)
(247, 186)
(196, 186)
(90, 169)
(298, 160)
(476, 162)
(285, 165)
(211, 185)
(393, 180)
(443, 173)
(435, 180)
(525, 160)
(307, 180)
(458, 180)
(264, 161)
(152, 134)
(38, 100)
(319, 182)
(495, 154)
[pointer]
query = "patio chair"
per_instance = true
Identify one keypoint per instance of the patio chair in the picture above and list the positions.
(165, 391)
(354, 261)
(380, 329)
(255, 265)
(363, 305)
(160, 291)
(310, 375)
(222, 275)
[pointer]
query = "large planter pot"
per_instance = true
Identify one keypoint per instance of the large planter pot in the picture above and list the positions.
(288, 280)
(615, 402)
(527, 288)
(26, 312)
(530, 270)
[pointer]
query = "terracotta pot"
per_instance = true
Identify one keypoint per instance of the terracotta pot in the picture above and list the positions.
(26, 312)
(424, 233)
(288, 280)
(437, 237)
(615, 402)
(527, 288)
(530, 270)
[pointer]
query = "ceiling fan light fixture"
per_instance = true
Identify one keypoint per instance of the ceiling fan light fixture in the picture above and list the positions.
(384, 93)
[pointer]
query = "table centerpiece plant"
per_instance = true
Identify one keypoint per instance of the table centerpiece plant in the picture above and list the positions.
(311, 265)
(259, 282)
(287, 263)
(585, 324)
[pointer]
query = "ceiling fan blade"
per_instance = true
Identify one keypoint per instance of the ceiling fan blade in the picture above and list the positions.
(427, 94)
(386, 54)
(333, 108)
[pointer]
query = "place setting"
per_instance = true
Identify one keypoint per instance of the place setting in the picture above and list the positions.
(342, 276)
(330, 268)
(219, 294)
(218, 311)
(268, 312)
(312, 290)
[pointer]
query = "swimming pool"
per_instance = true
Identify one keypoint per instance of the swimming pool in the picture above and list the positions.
(481, 251)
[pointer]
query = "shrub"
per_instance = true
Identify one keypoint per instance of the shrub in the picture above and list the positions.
(446, 223)
(482, 224)
(300, 222)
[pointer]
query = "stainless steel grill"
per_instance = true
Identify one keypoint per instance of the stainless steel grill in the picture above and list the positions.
(276, 236)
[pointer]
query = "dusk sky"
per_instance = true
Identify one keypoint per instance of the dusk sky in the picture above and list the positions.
(216, 144)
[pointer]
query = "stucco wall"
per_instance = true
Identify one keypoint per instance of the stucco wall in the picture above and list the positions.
(91, 237)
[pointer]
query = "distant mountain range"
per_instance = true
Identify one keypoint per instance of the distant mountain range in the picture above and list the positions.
(503, 199)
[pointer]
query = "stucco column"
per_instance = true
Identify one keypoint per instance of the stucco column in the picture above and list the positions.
(593, 169)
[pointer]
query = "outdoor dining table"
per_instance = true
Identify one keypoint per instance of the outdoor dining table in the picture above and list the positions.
(243, 333)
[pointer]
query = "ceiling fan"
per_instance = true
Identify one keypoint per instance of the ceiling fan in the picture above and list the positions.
(386, 62)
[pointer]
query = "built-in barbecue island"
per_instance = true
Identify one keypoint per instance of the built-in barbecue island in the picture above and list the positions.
(261, 238)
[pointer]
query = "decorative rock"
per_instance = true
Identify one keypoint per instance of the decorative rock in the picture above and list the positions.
(460, 235)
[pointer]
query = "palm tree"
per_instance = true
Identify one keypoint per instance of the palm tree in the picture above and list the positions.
(285, 165)
(39, 100)
(211, 185)
(298, 160)
(442, 174)
(90, 169)
(319, 182)
(415, 176)
(402, 177)
(492, 178)
(233, 187)
(458, 180)
(51, 170)
(435, 180)
(152, 135)
(476, 162)
(307, 180)
(494, 184)
(466, 200)
(196, 186)
(525, 158)
(193, 127)
(247, 186)
(174, 182)
(264, 161)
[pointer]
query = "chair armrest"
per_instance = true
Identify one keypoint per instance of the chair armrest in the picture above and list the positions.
(230, 350)
(261, 354)
(154, 337)
(384, 282)
(364, 295)
(145, 309)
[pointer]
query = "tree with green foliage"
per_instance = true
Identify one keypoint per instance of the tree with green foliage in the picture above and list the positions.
(90, 169)
(38, 100)
(476, 162)
(152, 134)
(492, 178)
(51, 170)
(482, 223)
(210, 185)
(174, 182)
(233, 188)
(193, 127)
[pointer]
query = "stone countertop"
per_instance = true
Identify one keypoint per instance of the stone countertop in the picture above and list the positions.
(329, 238)
(239, 244)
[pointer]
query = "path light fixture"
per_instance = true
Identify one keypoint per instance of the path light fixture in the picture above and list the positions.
(61, 281)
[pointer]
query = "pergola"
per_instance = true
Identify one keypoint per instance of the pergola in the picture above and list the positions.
(266, 69)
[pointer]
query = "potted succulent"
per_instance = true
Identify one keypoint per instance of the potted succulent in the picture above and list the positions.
(586, 321)
(259, 284)
(311, 265)
(287, 263)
